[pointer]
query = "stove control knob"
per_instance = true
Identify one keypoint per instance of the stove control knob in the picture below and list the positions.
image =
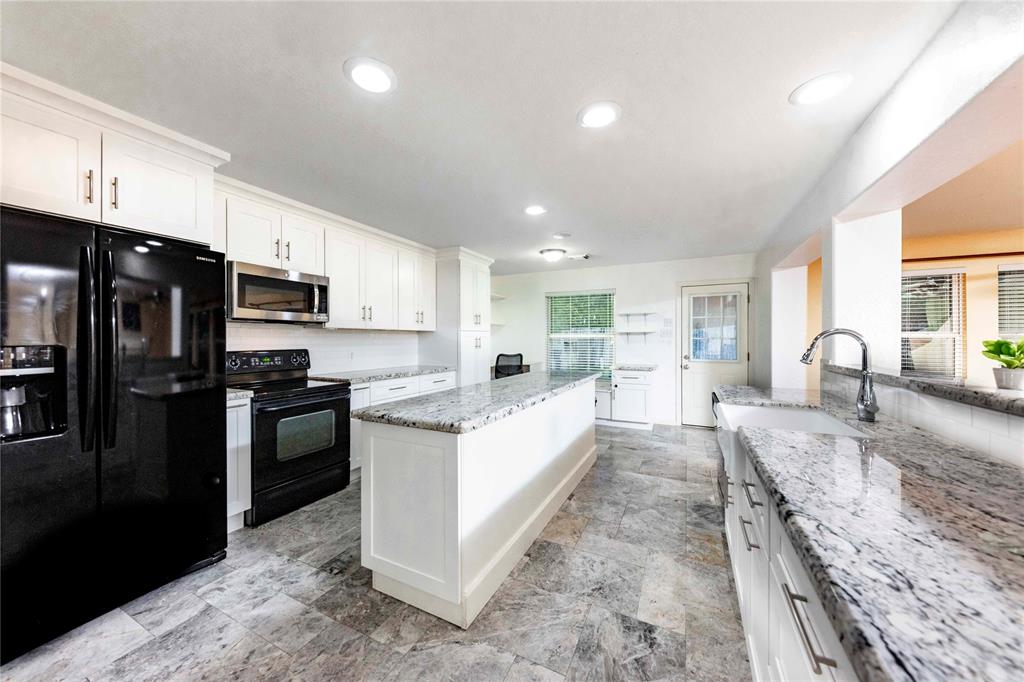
(295, 359)
(234, 362)
(303, 359)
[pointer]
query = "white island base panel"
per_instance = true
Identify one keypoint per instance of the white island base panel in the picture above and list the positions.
(446, 516)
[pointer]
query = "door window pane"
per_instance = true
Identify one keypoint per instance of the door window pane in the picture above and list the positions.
(304, 434)
(713, 327)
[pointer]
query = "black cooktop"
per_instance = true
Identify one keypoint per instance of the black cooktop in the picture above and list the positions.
(276, 374)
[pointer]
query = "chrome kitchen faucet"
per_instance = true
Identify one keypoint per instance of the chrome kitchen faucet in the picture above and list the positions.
(867, 406)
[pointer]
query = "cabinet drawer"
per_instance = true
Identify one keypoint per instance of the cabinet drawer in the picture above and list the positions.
(623, 377)
(393, 389)
(755, 496)
(428, 383)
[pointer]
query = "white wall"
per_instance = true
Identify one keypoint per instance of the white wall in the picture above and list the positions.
(638, 287)
(330, 350)
(866, 264)
(789, 327)
(979, 43)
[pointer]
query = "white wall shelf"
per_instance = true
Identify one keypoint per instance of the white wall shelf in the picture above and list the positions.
(497, 297)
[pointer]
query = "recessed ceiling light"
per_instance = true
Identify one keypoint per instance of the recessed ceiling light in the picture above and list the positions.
(561, 235)
(535, 210)
(552, 255)
(142, 249)
(153, 242)
(599, 114)
(370, 74)
(821, 88)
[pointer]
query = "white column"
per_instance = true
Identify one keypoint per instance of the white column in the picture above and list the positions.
(789, 327)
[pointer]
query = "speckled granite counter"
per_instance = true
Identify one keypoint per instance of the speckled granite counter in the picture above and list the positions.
(238, 394)
(915, 544)
(364, 376)
(468, 408)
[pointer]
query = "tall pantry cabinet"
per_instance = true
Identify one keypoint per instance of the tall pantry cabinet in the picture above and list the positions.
(463, 316)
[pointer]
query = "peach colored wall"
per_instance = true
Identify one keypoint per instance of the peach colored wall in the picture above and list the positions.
(813, 316)
(981, 284)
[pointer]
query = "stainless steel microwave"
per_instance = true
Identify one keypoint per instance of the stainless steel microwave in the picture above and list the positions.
(256, 292)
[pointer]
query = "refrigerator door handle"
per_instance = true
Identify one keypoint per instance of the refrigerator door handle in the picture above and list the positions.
(111, 359)
(86, 349)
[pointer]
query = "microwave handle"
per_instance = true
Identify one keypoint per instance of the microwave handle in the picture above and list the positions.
(316, 299)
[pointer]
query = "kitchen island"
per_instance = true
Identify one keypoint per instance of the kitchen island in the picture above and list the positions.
(458, 484)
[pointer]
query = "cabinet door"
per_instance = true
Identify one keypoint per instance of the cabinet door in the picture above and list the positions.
(50, 161)
(467, 296)
(253, 233)
(154, 190)
(469, 358)
(302, 245)
(427, 288)
(408, 298)
(482, 285)
(484, 359)
(603, 404)
(239, 468)
(360, 398)
(629, 403)
(343, 265)
(381, 285)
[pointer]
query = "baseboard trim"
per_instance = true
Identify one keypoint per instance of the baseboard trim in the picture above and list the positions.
(642, 426)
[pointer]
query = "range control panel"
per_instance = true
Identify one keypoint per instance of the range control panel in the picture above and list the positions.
(266, 360)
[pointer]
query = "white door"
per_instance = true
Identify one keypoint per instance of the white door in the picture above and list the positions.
(302, 245)
(151, 189)
(50, 161)
(253, 233)
(343, 265)
(380, 282)
(713, 345)
(427, 288)
(408, 299)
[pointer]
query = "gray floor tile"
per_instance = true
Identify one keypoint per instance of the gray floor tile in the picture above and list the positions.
(523, 670)
(454, 661)
(340, 652)
(663, 594)
(661, 527)
(404, 628)
(616, 647)
(715, 646)
(599, 538)
(252, 659)
(565, 528)
(286, 623)
(353, 602)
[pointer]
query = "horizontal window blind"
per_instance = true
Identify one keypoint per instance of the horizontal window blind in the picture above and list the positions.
(932, 343)
(581, 332)
(1011, 301)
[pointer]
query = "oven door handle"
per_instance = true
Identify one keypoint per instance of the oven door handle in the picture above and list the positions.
(276, 405)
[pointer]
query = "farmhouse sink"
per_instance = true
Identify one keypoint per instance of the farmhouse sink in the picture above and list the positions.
(731, 417)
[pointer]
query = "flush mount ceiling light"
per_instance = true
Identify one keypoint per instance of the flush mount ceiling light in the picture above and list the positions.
(821, 88)
(370, 74)
(142, 249)
(599, 114)
(535, 210)
(552, 255)
(561, 235)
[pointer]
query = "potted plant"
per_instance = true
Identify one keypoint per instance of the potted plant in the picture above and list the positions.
(1011, 355)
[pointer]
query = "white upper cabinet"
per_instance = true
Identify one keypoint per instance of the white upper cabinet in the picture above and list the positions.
(417, 284)
(380, 285)
(474, 296)
(50, 161)
(265, 235)
(68, 154)
(151, 189)
(343, 265)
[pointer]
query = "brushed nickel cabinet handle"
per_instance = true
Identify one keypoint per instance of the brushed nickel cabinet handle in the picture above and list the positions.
(277, 248)
(750, 500)
(817, 660)
(746, 539)
(288, 250)
(371, 313)
(114, 194)
(88, 194)
(364, 313)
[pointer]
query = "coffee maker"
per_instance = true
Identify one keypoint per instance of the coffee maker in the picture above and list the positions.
(32, 392)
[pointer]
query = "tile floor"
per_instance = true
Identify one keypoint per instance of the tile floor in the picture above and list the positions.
(629, 581)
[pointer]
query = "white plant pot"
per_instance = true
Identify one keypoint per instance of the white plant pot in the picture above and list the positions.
(1009, 378)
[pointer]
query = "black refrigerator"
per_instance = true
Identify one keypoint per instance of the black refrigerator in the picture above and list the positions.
(112, 422)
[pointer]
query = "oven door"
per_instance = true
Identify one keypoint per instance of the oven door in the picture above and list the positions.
(295, 437)
(273, 295)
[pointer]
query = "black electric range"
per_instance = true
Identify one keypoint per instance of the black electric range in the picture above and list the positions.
(300, 431)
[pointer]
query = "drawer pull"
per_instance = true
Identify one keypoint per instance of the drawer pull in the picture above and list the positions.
(439, 381)
(398, 388)
(817, 660)
(746, 539)
(750, 500)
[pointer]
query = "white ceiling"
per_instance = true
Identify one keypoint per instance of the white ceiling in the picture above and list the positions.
(707, 159)
(988, 197)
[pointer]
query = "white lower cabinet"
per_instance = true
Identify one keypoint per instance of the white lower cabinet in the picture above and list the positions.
(630, 396)
(474, 358)
(789, 636)
(239, 464)
(603, 403)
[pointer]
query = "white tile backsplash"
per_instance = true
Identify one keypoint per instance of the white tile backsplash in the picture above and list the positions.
(996, 434)
(330, 350)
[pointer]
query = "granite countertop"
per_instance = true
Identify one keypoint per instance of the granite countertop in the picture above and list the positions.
(998, 399)
(238, 394)
(468, 408)
(915, 544)
(362, 376)
(635, 367)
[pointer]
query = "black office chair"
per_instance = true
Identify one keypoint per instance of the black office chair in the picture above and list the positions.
(507, 365)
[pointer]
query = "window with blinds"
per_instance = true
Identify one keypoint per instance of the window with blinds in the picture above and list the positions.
(933, 324)
(581, 332)
(1011, 301)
